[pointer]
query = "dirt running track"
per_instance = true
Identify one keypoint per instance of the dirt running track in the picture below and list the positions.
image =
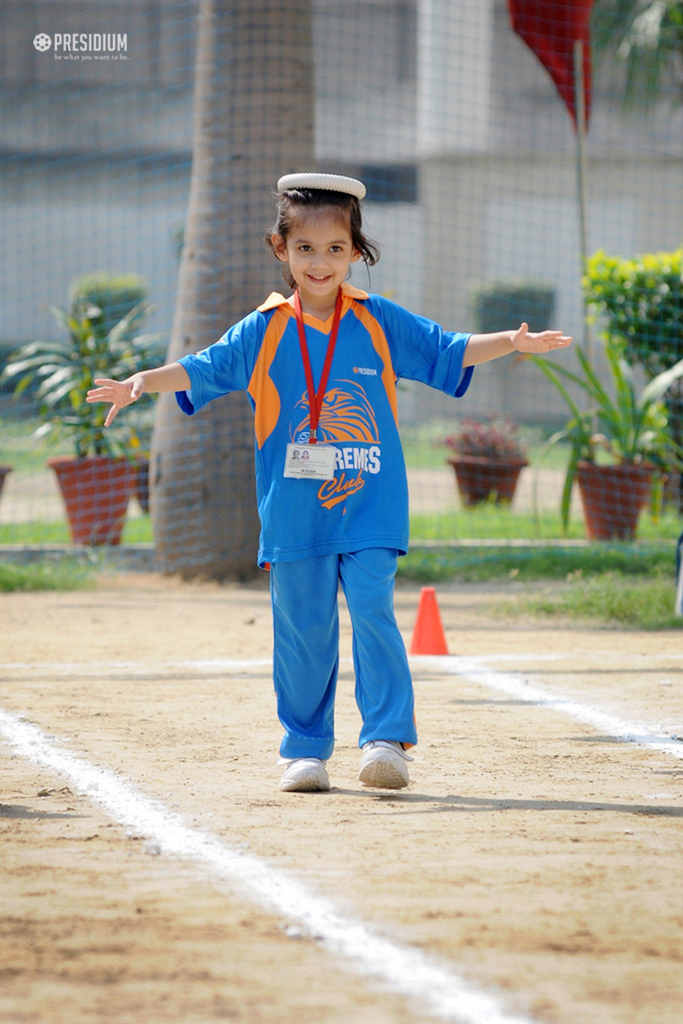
(540, 859)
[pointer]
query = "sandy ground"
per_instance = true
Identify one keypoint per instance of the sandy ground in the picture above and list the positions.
(541, 859)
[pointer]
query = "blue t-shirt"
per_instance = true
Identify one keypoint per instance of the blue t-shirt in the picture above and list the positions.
(366, 504)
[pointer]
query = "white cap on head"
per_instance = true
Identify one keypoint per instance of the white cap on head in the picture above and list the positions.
(333, 182)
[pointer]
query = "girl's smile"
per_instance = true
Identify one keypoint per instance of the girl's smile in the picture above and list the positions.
(319, 252)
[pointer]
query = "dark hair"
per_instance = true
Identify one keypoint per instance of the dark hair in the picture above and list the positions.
(293, 202)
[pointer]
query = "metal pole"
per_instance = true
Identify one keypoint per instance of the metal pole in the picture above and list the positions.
(580, 102)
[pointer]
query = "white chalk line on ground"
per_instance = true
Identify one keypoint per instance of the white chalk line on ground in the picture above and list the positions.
(475, 669)
(403, 970)
(151, 668)
(514, 684)
(238, 664)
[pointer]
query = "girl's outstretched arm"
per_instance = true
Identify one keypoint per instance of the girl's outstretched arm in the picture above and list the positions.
(121, 393)
(482, 348)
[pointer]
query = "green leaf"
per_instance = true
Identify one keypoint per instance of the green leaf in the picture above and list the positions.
(660, 385)
(56, 394)
(551, 374)
(592, 384)
(121, 331)
(57, 378)
(565, 504)
(556, 438)
(621, 417)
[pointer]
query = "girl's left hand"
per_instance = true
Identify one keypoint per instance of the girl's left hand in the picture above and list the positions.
(524, 341)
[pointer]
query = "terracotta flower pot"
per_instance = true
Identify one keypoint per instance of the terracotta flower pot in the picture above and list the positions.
(613, 497)
(479, 477)
(96, 492)
(4, 470)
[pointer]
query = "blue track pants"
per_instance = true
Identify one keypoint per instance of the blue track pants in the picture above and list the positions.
(306, 651)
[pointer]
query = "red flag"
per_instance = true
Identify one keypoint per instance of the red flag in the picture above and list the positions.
(550, 28)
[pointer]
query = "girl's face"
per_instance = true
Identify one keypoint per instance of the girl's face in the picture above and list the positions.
(319, 251)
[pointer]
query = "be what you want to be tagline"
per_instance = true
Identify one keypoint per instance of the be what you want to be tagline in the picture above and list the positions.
(83, 45)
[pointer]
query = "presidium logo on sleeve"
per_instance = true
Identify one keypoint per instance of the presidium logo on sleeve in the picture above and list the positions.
(347, 420)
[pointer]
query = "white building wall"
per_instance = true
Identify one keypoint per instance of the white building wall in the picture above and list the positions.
(454, 76)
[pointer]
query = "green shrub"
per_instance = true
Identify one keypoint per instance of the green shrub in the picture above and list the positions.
(66, 369)
(114, 294)
(640, 302)
(502, 305)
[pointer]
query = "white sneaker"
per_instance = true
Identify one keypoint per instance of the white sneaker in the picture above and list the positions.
(305, 775)
(384, 765)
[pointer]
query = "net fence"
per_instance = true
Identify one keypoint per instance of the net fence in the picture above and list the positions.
(139, 146)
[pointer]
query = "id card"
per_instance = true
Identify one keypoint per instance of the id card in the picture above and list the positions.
(310, 461)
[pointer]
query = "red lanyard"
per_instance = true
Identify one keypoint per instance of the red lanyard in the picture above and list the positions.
(315, 401)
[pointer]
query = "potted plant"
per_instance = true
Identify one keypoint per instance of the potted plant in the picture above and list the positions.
(487, 459)
(640, 303)
(633, 432)
(98, 479)
(116, 295)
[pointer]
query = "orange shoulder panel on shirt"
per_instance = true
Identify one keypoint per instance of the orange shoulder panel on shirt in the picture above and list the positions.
(261, 387)
(273, 300)
(353, 292)
(381, 346)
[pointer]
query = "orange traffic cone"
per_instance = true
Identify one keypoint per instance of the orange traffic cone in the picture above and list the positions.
(428, 635)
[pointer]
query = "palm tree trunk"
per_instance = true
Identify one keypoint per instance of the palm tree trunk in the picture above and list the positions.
(253, 121)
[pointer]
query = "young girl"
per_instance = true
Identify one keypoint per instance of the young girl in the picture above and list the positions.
(320, 369)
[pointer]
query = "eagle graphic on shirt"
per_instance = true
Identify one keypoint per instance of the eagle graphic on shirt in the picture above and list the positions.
(347, 421)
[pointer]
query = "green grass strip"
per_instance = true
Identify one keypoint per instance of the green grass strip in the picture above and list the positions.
(53, 574)
(611, 598)
(35, 533)
(494, 521)
(476, 565)
(135, 531)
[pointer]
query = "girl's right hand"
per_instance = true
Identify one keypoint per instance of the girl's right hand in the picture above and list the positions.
(119, 392)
